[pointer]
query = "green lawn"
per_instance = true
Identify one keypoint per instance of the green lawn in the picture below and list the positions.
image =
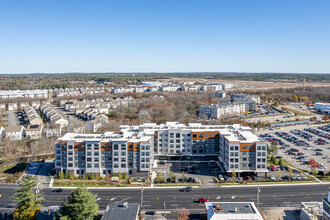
(298, 112)
(69, 183)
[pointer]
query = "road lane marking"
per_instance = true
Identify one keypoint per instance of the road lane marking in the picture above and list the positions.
(146, 205)
(112, 199)
(174, 205)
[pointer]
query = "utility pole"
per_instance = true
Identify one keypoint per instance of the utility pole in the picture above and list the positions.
(141, 196)
(258, 192)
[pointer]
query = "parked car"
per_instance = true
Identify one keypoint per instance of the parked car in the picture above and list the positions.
(248, 178)
(319, 154)
(271, 177)
(161, 162)
(202, 200)
(220, 177)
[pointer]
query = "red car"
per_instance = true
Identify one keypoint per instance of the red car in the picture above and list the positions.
(249, 178)
(202, 200)
(321, 143)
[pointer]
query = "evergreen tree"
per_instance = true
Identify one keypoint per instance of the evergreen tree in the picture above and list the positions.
(82, 205)
(119, 175)
(28, 202)
(66, 175)
(92, 176)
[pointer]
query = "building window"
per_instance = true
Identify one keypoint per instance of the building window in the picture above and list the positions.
(123, 166)
(200, 135)
(115, 147)
(96, 148)
(115, 165)
(244, 147)
(96, 165)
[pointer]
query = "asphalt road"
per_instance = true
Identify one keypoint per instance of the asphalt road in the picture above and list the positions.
(156, 199)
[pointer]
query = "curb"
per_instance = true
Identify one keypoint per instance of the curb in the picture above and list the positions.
(261, 185)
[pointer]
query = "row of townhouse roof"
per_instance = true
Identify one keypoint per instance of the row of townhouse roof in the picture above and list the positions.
(134, 149)
(54, 115)
(8, 94)
(12, 106)
(20, 132)
(31, 116)
(143, 87)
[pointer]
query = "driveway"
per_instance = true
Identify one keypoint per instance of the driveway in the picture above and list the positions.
(12, 119)
(42, 176)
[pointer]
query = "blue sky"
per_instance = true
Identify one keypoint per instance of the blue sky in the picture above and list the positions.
(164, 36)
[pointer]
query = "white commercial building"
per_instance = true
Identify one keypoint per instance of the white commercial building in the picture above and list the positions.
(232, 211)
(323, 107)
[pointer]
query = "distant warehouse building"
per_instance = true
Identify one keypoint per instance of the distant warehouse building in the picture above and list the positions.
(323, 107)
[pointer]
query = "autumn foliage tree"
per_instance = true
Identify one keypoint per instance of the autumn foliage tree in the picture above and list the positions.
(181, 214)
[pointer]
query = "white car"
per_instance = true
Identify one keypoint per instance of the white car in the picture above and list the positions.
(161, 171)
(272, 178)
(304, 177)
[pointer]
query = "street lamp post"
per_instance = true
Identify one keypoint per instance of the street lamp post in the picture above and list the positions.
(141, 196)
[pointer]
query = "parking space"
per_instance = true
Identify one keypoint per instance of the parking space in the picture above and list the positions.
(299, 144)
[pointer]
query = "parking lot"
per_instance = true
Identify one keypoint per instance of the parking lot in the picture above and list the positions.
(299, 144)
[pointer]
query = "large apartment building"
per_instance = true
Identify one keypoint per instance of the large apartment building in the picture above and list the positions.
(135, 148)
(221, 109)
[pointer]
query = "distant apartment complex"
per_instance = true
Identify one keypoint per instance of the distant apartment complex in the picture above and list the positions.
(221, 110)
(239, 104)
(135, 148)
(8, 94)
(250, 101)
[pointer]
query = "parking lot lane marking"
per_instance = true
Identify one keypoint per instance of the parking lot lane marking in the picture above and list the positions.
(174, 205)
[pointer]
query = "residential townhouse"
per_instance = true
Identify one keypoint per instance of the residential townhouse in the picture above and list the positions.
(34, 132)
(134, 149)
(15, 132)
(54, 115)
(31, 116)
